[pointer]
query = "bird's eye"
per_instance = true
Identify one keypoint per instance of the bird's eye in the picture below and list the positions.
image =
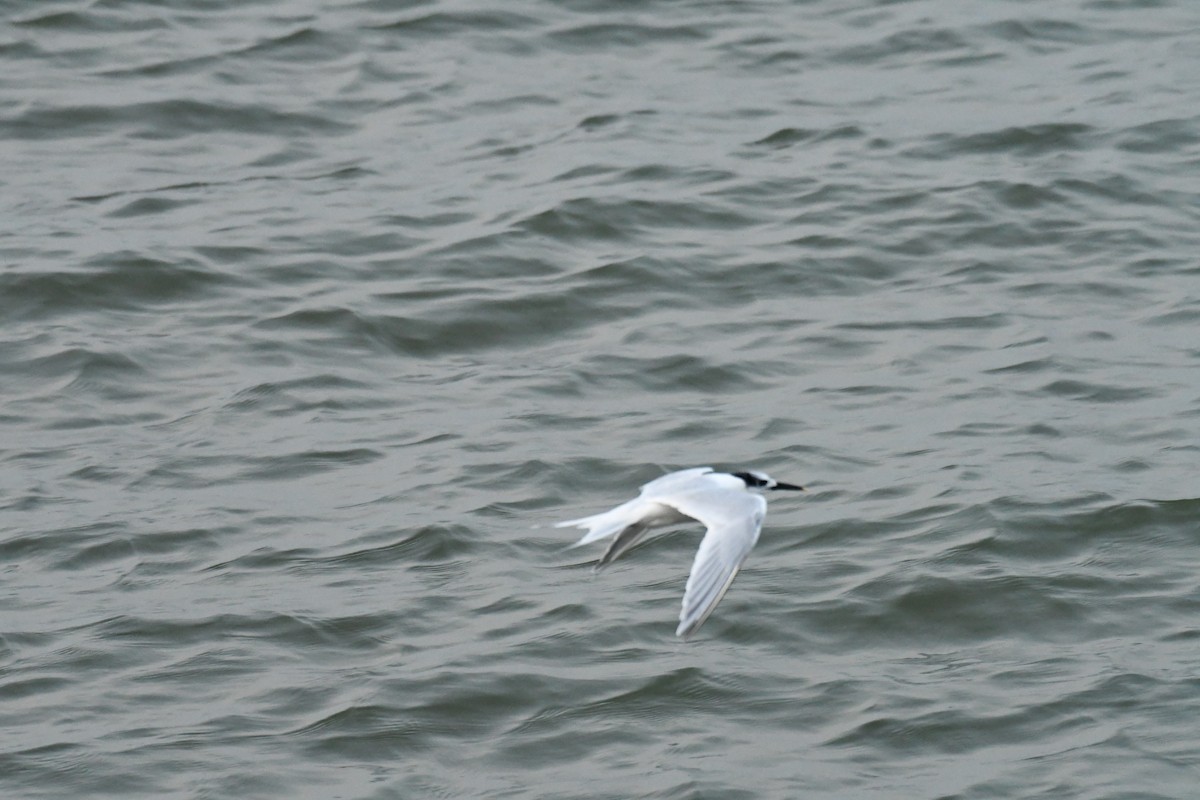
(751, 479)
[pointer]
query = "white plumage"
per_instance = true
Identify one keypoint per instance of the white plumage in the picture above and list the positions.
(721, 501)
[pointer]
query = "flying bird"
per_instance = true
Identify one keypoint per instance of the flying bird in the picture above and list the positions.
(722, 502)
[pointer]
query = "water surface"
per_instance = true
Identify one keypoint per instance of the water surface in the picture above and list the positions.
(313, 317)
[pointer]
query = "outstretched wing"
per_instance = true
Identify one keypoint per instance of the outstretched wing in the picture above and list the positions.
(733, 519)
(673, 481)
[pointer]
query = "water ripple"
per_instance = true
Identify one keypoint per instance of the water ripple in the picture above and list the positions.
(313, 320)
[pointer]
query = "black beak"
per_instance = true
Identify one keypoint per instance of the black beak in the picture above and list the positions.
(788, 486)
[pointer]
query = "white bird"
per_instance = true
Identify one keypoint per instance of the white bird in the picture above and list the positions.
(721, 501)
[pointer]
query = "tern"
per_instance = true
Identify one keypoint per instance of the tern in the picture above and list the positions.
(721, 501)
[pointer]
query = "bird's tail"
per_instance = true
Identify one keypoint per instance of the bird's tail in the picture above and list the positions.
(600, 526)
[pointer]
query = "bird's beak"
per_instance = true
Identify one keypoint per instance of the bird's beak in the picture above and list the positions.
(788, 486)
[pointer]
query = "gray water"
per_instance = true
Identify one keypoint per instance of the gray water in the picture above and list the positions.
(315, 316)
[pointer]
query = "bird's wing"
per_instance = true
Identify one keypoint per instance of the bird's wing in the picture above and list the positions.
(672, 481)
(733, 519)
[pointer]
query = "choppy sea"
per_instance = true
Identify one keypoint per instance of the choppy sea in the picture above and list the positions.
(315, 316)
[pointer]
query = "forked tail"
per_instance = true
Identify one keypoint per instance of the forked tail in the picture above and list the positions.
(599, 526)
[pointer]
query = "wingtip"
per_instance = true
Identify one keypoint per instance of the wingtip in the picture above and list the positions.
(687, 627)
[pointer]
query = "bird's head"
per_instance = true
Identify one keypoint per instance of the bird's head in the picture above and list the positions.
(761, 480)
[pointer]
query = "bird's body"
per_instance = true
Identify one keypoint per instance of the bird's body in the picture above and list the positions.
(721, 501)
